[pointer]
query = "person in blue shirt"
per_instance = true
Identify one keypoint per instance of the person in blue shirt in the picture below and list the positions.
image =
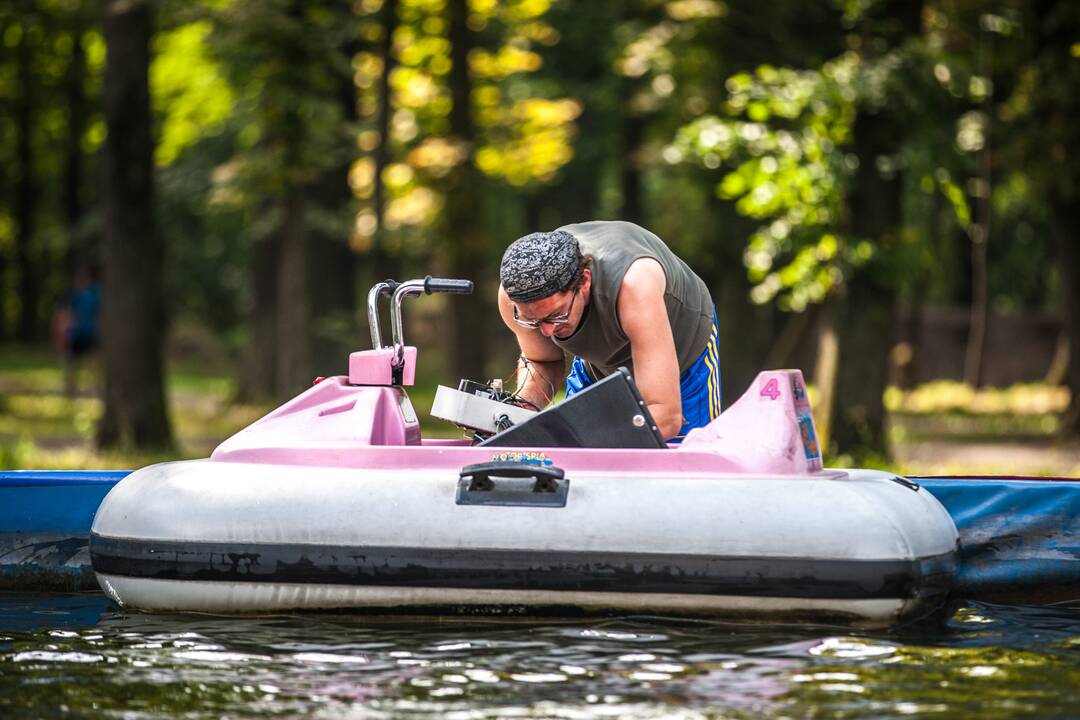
(77, 331)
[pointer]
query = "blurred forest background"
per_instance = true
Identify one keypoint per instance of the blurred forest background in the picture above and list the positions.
(884, 193)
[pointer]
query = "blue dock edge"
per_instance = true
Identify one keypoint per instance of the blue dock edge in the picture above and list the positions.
(45, 519)
(1019, 537)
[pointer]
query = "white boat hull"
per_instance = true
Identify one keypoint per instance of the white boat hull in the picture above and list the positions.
(232, 537)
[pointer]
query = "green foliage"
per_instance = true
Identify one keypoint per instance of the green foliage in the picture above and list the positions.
(783, 141)
(191, 96)
(286, 64)
(524, 130)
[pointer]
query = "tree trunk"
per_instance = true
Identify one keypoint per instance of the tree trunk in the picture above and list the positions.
(864, 316)
(979, 315)
(466, 244)
(332, 285)
(740, 360)
(980, 235)
(633, 135)
(825, 374)
(1058, 371)
(26, 199)
(798, 328)
(1057, 27)
(904, 355)
(333, 264)
(382, 264)
(74, 254)
(863, 321)
(293, 330)
(258, 365)
(745, 329)
(133, 307)
(908, 352)
(1065, 216)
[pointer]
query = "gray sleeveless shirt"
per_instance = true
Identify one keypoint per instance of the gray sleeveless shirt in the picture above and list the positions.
(599, 340)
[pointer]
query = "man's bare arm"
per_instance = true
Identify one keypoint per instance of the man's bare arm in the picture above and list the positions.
(644, 320)
(542, 366)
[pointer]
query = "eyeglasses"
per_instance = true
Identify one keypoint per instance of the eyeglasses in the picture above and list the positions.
(560, 319)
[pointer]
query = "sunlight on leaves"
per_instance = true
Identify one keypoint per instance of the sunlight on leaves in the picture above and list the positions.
(189, 90)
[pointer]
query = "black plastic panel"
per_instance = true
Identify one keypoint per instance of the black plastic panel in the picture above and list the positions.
(607, 414)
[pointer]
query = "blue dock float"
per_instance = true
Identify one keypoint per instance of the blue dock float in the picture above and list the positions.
(1019, 537)
(45, 519)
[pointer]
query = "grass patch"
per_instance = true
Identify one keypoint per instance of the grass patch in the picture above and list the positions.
(957, 427)
(956, 398)
(40, 428)
(949, 428)
(962, 414)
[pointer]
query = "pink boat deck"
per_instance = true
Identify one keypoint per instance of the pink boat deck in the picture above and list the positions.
(338, 423)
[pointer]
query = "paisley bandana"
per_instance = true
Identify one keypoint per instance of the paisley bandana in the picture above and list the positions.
(539, 265)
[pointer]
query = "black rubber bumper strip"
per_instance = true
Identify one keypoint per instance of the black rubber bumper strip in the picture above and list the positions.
(521, 570)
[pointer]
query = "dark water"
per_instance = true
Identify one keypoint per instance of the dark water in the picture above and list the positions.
(79, 656)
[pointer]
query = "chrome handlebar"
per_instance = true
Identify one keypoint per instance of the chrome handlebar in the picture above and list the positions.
(398, 292)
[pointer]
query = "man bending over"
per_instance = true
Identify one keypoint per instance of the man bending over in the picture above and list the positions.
(612, 294)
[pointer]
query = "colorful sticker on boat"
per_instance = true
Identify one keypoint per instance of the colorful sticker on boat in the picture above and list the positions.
(809, 439)
(528, 458)
(797, 388)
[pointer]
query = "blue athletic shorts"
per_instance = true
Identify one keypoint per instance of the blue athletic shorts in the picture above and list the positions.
(699, 386)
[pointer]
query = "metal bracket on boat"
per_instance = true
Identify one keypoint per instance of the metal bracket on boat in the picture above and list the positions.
(513, 484)
(909, 484)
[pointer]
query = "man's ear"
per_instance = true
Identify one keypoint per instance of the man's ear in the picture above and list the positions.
(586, 279)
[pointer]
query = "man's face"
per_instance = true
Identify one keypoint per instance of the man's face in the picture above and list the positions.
(558, 314)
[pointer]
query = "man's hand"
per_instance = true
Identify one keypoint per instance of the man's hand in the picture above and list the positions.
(543, 366)
(643, 318)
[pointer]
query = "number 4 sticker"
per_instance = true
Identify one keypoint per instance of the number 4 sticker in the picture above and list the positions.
(771, 390)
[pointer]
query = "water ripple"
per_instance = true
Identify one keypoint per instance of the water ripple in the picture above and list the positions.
(990, 661)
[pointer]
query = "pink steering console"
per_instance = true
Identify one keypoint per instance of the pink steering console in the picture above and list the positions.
(365, 420)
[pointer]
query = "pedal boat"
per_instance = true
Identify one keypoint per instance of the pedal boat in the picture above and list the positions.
(334, 501)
